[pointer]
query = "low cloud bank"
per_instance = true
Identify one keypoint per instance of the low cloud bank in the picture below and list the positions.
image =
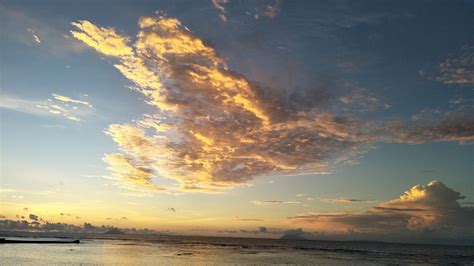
(428, 213)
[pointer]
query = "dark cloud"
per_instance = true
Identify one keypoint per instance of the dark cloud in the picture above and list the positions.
(451, 126)
(229, 231)
(70, 228)
(398, 209)
(261, 230)
(33, 217)
(297, 234)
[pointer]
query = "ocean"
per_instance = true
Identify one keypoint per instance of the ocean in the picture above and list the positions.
(100, 249)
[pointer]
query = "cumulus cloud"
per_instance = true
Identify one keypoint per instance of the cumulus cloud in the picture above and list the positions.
(57, 106)
(259, 230)
(214, 129)
(33, 217)
(433, 208)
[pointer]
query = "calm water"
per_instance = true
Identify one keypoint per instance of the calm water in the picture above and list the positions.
(134, 249)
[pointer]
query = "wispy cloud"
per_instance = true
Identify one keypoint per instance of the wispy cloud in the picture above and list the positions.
(247, 219)
(425, 127)
(219, 5)
(458, 69)
(57, 106)
(25, 28)
(35, 35)
(273, 202)
(66, 99)
(361, 101)
(7, 190)
(348, 201)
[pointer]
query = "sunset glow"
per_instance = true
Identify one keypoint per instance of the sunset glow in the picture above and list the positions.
(351, 121)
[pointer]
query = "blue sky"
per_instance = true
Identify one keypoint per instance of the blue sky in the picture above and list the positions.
(381, 91)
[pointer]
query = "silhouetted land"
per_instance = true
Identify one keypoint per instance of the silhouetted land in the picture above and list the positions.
(15, 241)
(115, 231)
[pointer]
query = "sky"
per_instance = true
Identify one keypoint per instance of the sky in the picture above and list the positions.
(346, 120)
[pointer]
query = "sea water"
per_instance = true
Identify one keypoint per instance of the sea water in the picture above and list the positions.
(99, 249)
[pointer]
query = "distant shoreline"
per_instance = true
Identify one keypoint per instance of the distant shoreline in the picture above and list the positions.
(104, 236)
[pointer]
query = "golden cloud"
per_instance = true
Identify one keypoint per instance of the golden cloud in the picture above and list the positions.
(213, 128)
(430, 208)
(67, 99)
(104, 40)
